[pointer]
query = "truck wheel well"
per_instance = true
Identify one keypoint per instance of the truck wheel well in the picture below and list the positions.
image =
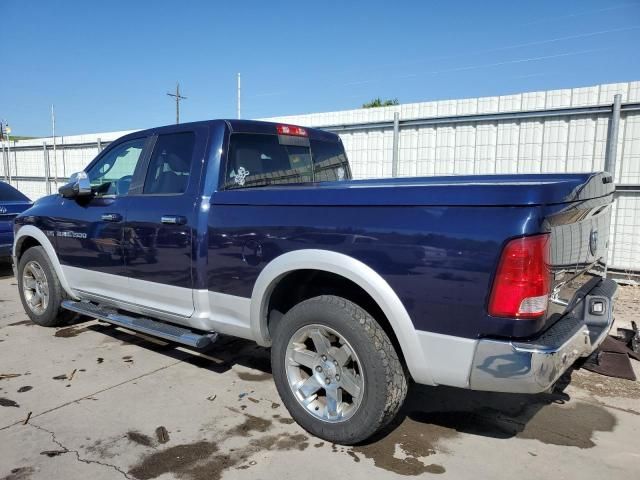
(26, 244)
(301, 285)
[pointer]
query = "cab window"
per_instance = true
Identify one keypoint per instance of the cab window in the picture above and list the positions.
(257, 160)
(111, 175)
(170, 164)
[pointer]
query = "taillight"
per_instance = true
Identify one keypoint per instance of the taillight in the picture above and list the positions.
(291, 130)
(522, 284)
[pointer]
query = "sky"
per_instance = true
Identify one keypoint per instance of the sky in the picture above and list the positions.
(108, 65)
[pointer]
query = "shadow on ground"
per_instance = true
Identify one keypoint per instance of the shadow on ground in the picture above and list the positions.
(6, 271)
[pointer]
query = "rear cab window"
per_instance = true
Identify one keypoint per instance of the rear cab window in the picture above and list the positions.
(259, 160)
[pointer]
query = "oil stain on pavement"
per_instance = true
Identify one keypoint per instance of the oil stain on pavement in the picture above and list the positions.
(69, 332)
(204, 459)
(415, 439)
(5, 402)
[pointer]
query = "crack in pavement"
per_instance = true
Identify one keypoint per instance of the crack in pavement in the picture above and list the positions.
(106, 389)
(77, 454)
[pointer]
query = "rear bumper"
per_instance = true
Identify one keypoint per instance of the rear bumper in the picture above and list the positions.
(535, 365)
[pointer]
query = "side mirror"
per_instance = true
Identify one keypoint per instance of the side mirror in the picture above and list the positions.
(78, 186)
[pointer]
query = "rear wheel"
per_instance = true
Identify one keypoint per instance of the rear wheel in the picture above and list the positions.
(336, 370)
(40, 290)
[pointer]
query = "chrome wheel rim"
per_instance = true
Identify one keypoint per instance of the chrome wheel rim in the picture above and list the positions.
(35, 287)
(324, 373)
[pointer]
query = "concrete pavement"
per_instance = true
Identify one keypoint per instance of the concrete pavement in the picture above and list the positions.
(105, 403)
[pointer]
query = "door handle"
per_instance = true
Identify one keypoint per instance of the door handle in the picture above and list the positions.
(173, 219)
(111, 217)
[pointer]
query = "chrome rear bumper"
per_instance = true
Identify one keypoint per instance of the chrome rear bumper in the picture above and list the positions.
(535, 365)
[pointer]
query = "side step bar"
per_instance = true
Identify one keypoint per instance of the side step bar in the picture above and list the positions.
(143, 325)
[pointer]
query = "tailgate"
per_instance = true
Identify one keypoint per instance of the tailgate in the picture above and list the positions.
(579, 245)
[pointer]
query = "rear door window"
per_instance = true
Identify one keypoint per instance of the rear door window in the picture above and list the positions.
(257, 160)
(170, 164)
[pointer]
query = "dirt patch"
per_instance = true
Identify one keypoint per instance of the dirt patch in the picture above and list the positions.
(60, 377)
(254, 377)
(282, 442)
(602, 386)
(69, 332)
(140, 438)
(287, 421)
(251, 424)
(20, 473)
(26, 388)
(415, 439)
(23, 322)
(105, 448)
(5, 402)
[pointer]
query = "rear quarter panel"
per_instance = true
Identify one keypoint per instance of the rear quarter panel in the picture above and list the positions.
(439, 260)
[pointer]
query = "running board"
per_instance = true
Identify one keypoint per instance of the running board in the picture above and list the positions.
(143, 325)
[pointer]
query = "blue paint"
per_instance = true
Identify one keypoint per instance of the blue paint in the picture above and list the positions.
(436, 241)
(12, 202)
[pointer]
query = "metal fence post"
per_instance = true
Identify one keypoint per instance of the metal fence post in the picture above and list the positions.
(15, 160)
(9, 158)
(396, 144)
(99, 145)
(45, 157)
(612, 136)
(4, 163)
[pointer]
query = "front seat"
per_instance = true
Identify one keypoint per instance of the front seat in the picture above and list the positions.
(173, 175)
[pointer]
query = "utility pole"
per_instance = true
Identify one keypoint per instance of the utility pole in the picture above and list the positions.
(178, 97)
(55, 153)
(238, 95)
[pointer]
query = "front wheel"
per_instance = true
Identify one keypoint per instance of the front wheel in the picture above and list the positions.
(40, 290)
(336, 370)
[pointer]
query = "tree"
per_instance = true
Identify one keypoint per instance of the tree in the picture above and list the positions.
(378, 102)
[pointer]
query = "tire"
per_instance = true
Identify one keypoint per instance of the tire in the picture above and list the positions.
(373, 384)
(34, 267)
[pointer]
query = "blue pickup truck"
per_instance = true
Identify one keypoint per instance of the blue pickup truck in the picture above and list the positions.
(257, 230)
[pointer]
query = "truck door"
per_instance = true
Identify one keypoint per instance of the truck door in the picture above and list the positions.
(89, 231)
(160, 224)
